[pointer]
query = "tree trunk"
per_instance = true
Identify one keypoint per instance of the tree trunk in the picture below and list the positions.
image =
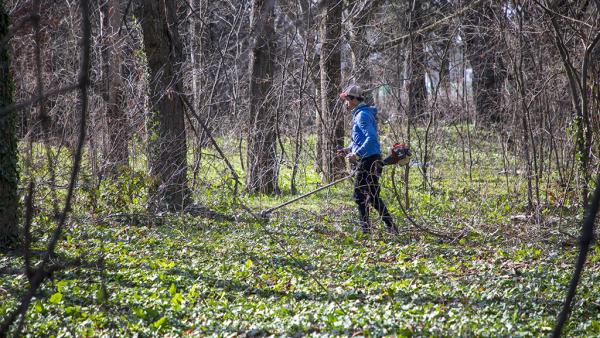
(332, 116)
(417, 90)
(9, 176)
(115, 150)
(489, 70)
(415, 72)
(165, 123)
(261, 155)
(359, 44)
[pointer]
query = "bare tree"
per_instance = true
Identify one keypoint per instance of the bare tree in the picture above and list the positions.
(166, 126)
(485, 57)
(261, 153)
(45, 267)
(331, 117)
(361, 12)
(415, 71)
(115, 149)
(9, 175)
(579, 81)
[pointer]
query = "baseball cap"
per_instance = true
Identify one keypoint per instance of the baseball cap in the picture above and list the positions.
(352, 90)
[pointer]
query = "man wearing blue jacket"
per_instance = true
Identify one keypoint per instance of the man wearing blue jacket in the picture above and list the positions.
(365, 154)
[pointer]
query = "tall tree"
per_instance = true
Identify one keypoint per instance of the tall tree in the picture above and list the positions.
(115, 149)
(332, 118)
(261, 154)
(167, 142)
(415, 70)
(9, 175)
(360, 14)
(415, 67)
(489, 70)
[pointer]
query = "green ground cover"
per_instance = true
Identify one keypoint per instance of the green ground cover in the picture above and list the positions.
(203, 276)
(309, 271)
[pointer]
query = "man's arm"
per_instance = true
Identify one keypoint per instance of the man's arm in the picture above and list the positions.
(366, 123)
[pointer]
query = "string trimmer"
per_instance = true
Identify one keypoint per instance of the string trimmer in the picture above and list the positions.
(399, 154)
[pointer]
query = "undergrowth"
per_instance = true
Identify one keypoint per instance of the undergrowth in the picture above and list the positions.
(217, 270)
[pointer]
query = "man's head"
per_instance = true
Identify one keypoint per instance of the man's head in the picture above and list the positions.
(352, 95)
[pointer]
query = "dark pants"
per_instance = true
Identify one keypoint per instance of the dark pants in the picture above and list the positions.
(366, 191)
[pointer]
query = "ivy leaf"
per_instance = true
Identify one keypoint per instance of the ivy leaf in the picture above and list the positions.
(139, 312)
(100, 295)
(176, 301)
(39, 307)
(56, 298)
(60, 286)
(160, 323)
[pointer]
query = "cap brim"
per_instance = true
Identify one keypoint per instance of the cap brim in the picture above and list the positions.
(344, 95)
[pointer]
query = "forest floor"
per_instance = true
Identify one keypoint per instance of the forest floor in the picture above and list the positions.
(309, 270)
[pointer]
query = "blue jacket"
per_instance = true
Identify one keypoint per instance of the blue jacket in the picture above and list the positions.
(364, 131)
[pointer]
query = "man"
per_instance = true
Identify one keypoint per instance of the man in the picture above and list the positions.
(365, 154)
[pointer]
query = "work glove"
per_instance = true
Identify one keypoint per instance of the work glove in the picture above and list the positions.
(341, 151)
(353, 158)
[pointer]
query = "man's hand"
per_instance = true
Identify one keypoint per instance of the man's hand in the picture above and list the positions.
(342, 151)
(352, 157)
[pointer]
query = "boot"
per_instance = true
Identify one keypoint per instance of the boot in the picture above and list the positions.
(391, 227)
(366, 228)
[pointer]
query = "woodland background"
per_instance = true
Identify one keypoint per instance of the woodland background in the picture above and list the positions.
(183, 119)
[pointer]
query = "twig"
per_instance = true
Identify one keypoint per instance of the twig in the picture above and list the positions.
(38, 98)
(396, 41)
(27, 230)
